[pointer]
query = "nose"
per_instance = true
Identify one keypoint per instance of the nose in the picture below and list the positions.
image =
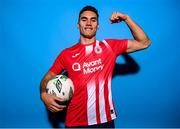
(88, 22)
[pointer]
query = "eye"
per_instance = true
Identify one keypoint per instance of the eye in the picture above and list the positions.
(93, 20)
(83, 19)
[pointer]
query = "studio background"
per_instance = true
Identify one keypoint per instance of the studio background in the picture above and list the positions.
(34, 32)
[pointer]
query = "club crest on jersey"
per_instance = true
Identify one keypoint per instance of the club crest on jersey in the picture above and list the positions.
(97, 49)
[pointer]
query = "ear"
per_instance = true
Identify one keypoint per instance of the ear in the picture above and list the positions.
(78, 25)
(98, 26)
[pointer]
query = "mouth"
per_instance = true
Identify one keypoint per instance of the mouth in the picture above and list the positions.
(88, 28)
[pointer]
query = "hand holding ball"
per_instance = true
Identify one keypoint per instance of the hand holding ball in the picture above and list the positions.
(61, 86)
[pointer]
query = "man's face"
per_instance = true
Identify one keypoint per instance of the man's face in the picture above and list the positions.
(88, 24)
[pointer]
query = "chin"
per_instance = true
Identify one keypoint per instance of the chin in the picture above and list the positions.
(89, 36)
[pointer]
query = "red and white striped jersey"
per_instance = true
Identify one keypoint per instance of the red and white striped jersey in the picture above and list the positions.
(90, 67)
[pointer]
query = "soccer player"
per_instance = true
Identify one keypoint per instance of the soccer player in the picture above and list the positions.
(90, 65)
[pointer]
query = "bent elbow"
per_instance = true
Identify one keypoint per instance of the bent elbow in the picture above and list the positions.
(147, 43)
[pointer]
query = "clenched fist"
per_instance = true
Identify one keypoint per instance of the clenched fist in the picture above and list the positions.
(118, 17)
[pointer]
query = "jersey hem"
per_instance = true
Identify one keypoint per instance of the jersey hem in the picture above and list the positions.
(85, 124)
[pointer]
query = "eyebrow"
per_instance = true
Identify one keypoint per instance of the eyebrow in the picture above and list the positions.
(87, 18)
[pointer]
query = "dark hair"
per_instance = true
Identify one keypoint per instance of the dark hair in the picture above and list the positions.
(88, 8)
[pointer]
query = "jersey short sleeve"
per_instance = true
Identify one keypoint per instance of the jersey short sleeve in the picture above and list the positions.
(118, 46)
(58, 65)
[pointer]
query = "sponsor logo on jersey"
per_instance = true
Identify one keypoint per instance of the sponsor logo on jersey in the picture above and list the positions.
(76, 67)
(89, 67)
(92, 66)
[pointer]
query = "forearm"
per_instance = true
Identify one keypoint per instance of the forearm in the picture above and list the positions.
(137, 32)
(43, 86)
(49, 75)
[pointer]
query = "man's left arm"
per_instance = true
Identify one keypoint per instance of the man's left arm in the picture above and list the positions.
(141, 40)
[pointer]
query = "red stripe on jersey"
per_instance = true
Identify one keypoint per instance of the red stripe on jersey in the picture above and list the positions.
(86, 99)
(97, 102)
(106, 94)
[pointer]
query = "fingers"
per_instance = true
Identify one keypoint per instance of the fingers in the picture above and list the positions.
(51, 103)
(117, 17)
(114, 17)
(58, 99)
(54, 106)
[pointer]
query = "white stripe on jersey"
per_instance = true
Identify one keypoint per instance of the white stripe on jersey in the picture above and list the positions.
(89, 49)
(113, 116)
(106, 44)
(102, 109)
(91, 104)
(97, 43)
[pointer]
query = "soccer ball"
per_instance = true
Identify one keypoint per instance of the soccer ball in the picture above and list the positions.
(60, 86)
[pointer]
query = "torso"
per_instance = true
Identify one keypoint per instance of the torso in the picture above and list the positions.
(90, 67)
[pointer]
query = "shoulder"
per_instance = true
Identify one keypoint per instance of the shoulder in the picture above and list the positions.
(115, 40)
(73, 47)
(69, 49)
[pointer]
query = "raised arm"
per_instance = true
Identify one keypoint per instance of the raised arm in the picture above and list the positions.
(141, 40)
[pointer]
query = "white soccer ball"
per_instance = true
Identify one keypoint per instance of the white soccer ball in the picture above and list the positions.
(61, 86)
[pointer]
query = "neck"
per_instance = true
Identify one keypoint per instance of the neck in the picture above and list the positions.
(84, 40)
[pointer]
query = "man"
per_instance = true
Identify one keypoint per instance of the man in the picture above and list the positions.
(90, 65)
